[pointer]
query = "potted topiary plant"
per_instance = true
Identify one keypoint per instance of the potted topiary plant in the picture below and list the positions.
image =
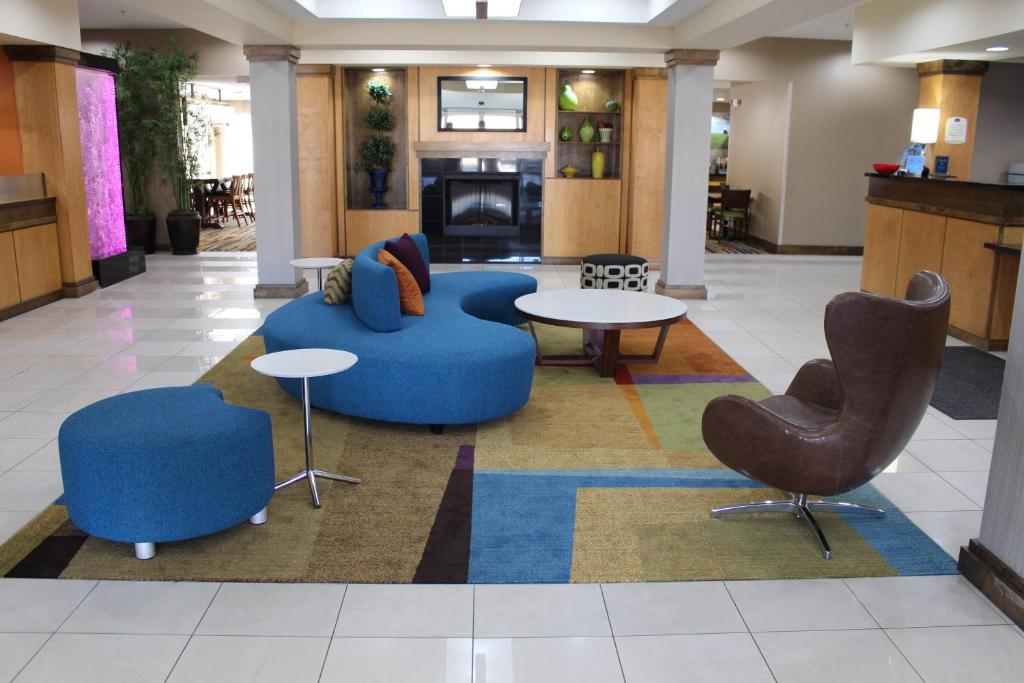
(140, 74)
(183, 133)
(377, 151)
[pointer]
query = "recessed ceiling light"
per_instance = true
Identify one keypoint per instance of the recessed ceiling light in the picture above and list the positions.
(379, 70)
(495, 8)
(997, 48)
(588, 71)
(484, 66)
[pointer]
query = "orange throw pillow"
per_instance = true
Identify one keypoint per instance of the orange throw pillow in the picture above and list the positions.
(410, 298)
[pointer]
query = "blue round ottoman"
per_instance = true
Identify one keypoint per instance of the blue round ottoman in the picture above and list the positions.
(163, 465)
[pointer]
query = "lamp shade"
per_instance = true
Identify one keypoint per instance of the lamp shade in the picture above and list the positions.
(925, 127)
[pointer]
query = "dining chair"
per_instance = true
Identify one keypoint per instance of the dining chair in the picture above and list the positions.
(733, 215)
(714, 202)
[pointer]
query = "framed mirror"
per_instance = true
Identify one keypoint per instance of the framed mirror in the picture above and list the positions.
(481, 103)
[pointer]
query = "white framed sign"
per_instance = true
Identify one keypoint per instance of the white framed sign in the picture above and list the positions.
(956, 130)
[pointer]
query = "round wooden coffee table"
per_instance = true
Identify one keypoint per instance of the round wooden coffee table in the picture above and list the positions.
(602, 314)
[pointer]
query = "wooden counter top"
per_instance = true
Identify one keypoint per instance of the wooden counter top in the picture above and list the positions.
(27, 213)
(982, 202)
(1008, 249)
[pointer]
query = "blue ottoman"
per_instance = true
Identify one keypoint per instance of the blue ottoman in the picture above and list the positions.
(163, 465)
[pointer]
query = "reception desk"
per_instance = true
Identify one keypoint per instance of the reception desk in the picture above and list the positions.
(915, 224)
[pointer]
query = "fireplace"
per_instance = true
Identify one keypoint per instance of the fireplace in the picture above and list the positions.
(479, 205)
(487, 210)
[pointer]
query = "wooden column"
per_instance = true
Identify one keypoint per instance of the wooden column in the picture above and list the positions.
(646, 192)
(314, 89)
(47, 97)
(954, 88)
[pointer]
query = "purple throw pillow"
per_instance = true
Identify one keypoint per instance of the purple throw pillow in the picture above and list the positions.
(406, 251)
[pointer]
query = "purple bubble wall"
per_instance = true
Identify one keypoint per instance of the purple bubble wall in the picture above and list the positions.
(101, 162)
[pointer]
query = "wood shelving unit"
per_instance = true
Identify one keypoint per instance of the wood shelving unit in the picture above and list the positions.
(593, 91)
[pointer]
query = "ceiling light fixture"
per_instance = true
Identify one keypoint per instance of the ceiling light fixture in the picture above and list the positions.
(492, 8)
(997, 48)
(484, 66)
(378, 70)
(588, 71)
(719, 99)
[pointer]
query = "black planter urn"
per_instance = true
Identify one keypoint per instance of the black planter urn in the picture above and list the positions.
(183, 229)
(141, 231)
(378, 187)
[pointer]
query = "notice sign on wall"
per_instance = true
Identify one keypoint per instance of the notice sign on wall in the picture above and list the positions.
(956, 130)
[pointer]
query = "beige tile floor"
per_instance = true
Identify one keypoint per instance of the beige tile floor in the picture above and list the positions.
(168, 326)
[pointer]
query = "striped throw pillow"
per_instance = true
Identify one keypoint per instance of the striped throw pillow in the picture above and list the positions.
(338, 285)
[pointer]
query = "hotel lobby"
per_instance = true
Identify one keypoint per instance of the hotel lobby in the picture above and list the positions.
(590, 404)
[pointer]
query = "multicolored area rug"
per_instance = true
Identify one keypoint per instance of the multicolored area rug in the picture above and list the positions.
(594, 480)
(730, 247)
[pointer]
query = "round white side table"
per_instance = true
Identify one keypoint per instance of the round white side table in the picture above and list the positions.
(319, 264)
(303, 364)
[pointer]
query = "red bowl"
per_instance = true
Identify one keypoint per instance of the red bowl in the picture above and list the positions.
(886, 169)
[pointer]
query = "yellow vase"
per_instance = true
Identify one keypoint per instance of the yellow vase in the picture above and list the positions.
(597, 163)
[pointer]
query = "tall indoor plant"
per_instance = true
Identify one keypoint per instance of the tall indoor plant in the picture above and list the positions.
(140, 74)
(377, 151)
(182, 134)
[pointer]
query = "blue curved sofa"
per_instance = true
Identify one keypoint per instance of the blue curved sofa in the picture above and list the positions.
(462, 362)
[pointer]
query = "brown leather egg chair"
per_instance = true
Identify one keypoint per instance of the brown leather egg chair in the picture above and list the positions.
(843, 421)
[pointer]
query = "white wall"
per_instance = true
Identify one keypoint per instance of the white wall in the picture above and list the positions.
(999, 130)
(843, 119)
(49, 22)
(217, 58)
(757, 152)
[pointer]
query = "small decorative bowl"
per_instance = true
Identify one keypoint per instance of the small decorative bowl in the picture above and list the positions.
(568, 172)
(886, 169)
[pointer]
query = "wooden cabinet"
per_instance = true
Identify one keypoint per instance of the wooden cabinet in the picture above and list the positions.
(970, 270)
(922, 236)
(38, 256)
(363, 228)
(900, 242)
(581, 216)
(10, 294)
(881, 250)
(29, 266)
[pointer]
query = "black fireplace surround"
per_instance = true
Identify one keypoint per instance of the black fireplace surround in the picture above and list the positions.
(481, 210)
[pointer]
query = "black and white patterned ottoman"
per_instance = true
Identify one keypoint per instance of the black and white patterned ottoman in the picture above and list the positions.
(614, 271)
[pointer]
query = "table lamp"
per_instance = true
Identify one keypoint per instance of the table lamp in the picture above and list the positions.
(924, 130)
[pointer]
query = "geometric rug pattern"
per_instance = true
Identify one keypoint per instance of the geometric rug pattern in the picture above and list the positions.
(594, 480)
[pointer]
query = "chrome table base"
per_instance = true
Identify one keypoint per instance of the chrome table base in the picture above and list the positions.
(310, 474)
(801, 508)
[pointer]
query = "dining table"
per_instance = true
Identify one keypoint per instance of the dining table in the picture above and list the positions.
(204, 188)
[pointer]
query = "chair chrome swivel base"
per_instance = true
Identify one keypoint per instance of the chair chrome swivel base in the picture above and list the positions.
(801, 508)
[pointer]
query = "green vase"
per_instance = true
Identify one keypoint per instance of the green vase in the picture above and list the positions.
(597, 160)
(586, 130)
(568, 101)
(565, 135)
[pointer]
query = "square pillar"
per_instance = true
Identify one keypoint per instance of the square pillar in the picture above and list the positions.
(994, 562)
(275, 147)
(47, 101)
(691, 90)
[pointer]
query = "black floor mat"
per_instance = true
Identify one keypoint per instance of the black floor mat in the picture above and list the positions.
(970, 384)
